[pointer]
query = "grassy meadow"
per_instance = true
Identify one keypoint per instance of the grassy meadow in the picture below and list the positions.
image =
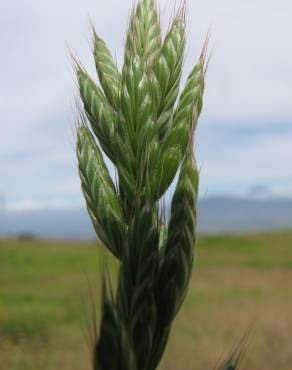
(47, 291)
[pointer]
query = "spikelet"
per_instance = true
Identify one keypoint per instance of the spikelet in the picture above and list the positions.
(137, 281)
(144, 34)
(101, 198)
(174, 145)
(99, 113)
(167, 73)
(137, 130)
(190, 103)
(107, 71)
(176, 254)
(113, 350)
(177, 261)
(136, 101)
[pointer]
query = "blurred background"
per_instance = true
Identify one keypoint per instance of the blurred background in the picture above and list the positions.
(243, 149)
(244, 139)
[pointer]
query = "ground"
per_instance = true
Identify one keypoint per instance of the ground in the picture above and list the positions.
(47, 291)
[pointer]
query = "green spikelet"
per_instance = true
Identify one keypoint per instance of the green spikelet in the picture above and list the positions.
(136, 101)
(164, 172)
(107, 71)
(174, 145)
(167, 73)
(138, 131)
(190, 103)
(112, 350)
(137, 282)
(144, 34)
(178, 255)
(99, 113)
(101, 198)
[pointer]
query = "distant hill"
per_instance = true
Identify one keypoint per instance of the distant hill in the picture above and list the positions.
(223, 214)
(216, 215)
(59, 223)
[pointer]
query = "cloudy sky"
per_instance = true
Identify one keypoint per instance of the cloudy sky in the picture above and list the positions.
(244, 140)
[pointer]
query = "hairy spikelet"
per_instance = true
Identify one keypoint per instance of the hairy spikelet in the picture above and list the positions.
(178, 254)
(99, 112)
(113, 350)
(190, 103)
(107, 71)
(137, 281)
(144, 35)
(136, 101)
(164, 171)
(101, 198)
(139, 131)
(167, 73)
(174, 145)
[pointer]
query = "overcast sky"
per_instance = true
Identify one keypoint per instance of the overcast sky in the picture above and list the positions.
(244, 140)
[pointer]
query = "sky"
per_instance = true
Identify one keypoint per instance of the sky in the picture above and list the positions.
(244, 138)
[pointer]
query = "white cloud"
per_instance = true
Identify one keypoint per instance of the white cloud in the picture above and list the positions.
(249, 81)
(28, 205)
(236, 167)
(250, 75)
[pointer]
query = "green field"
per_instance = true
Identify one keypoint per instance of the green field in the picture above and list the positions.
(47, 291)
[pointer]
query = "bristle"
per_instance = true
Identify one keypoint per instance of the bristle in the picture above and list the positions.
(181, 13)
(234, 358)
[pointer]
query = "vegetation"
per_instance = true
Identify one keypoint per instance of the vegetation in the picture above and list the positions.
(135, 120)
(44, 291)
(142, 122)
